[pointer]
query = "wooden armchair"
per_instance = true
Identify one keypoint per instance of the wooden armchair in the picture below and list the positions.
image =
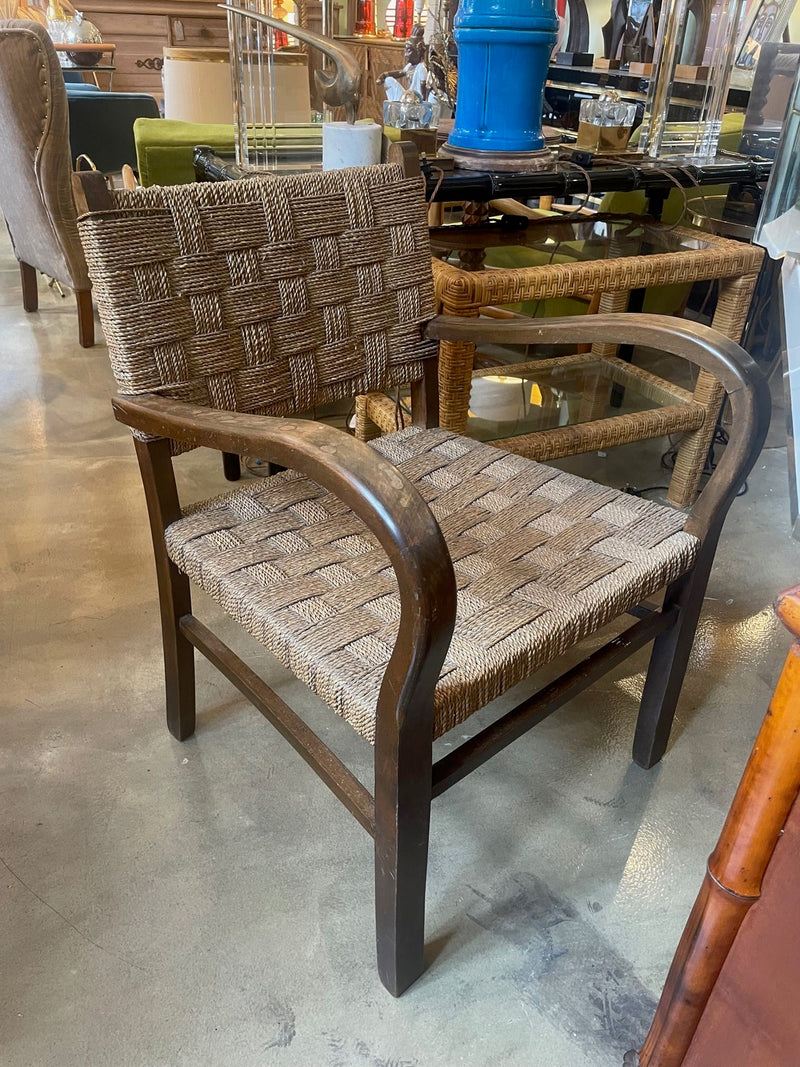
(409, 582)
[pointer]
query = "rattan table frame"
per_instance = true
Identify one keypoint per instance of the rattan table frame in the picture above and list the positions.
(678, 413)
(462, 293)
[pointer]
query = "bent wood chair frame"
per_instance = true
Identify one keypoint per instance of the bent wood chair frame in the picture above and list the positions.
(391, 507)
(406, 778)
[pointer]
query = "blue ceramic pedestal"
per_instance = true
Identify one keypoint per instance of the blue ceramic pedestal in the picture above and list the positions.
(504, 49)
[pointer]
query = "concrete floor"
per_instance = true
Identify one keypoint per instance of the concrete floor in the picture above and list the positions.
(209, 904)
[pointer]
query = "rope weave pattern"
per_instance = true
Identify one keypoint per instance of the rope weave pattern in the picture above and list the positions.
(542, 559)
(268, 296)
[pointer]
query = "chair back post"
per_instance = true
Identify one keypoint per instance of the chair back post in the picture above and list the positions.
(751, 410)
(732, 884)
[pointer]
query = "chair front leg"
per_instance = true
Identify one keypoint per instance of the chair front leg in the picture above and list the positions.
(403, 782)
(174, 596)
(456, 360)
(83, 299)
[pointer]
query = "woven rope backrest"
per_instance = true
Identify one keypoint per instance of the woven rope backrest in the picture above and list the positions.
(266, 295)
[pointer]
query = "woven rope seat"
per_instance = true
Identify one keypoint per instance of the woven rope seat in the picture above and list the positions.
(542, 559)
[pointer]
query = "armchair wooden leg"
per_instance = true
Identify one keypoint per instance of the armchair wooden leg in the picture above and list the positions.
(85, 317)
(30, 286)
(403, 775)
(668, 662)
(174, 593)
(231, 466)
(175, 602)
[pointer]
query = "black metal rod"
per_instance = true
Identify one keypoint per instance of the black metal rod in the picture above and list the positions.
(483, 186)
(565, 181)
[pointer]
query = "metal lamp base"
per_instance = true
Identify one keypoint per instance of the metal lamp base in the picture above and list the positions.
(477, 159)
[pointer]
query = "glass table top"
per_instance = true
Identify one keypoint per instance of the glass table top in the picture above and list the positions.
(548, 394)
(533, 242)
(724, 215)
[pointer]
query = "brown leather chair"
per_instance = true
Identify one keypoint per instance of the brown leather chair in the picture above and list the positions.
(35, 188)
(730, 999)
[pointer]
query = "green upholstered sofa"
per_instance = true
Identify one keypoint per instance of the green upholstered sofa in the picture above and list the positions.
(164, 148)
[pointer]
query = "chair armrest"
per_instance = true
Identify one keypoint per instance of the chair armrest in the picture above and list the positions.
(729, 363)
(383, 498)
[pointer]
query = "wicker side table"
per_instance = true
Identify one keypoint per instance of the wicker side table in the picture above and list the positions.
(698, 257)
(555, 407)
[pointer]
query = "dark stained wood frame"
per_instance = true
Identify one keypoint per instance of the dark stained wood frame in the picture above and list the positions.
(83, 298)
(406, 779)
(30, 286)
(732, 884)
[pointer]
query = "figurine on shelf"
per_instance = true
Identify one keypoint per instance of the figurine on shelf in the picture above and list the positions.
(614, 29)
(414, 74)
(641, 25)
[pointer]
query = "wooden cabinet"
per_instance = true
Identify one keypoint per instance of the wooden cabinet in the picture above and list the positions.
(142, 30)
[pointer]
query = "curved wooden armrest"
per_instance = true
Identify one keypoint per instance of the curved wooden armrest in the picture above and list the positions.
(742, 380)
(383, 498)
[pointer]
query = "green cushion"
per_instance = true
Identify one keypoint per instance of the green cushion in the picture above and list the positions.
(164, 148)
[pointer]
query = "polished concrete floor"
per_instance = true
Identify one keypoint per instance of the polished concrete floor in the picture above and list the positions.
(207, 903)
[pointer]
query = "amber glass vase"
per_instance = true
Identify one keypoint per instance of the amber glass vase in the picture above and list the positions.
(365, 19)
(403, 18)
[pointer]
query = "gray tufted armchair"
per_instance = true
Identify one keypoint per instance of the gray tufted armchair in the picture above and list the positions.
(35, 188)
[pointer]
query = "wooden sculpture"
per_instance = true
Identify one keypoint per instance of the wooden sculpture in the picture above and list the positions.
(33, 11)
(614, 29)
(578, 37)
(340, 88)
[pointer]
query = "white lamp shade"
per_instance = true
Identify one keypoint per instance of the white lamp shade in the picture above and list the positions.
(197, 85)
(498, 398)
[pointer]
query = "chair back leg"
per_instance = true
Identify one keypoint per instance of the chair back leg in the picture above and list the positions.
(85, 318)
(174, 593)
(669, 659)
(30, 287)
(231, 466)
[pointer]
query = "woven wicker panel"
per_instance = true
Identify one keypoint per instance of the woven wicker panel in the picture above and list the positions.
(542, 559)
(267, 295)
